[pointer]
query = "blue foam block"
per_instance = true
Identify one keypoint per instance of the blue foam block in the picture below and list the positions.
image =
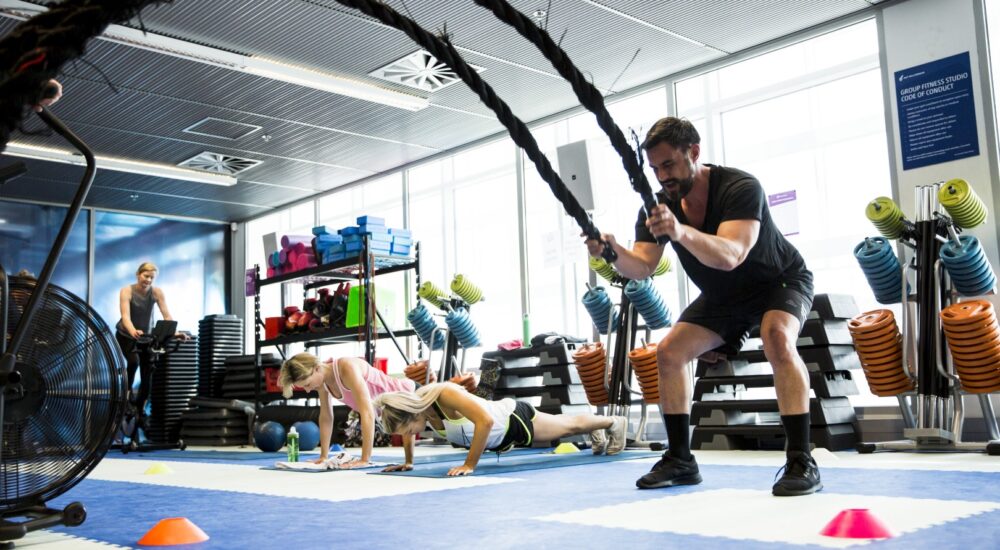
(400, 232)
(321, 230)
(327, 239)
(379, 236)
(353, 247)
(370, 220)
(369, 228)
(402, 240)
(349, 230)
(352, 238)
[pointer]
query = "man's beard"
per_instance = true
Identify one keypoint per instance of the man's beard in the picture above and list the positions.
(683, 187)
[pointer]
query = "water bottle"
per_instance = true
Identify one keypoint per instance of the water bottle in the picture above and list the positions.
(292, 445)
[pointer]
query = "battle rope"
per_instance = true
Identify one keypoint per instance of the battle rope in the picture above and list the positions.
(35, 51)
(588, 95)
(446, 53)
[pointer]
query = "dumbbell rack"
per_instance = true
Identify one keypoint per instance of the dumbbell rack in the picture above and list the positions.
(937, 422)
(619, 382)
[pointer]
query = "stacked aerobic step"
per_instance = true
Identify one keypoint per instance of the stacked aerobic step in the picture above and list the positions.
(347, 242)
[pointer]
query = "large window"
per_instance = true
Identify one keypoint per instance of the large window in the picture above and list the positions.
(557, 259)
(190, 257)
(463, 210)
(808, 122)
(382, 198)
(28, 231)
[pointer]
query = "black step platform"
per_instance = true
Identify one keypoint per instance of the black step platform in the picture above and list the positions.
(815, 332)
(835, 437)
(823, 412)
(824, 384)
(731, 367)
(551, 354)
(551, 395)
(834, 306)
(538, 376)
(817, 359)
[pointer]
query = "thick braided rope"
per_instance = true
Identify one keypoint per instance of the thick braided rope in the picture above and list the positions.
(35, 51)
(519, 132)
(588, 95)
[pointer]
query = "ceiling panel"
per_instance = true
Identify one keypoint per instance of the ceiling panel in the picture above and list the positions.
(135, 103)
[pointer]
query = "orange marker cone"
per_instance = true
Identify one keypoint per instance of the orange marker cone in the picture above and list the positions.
(856, 523)
(173, 531)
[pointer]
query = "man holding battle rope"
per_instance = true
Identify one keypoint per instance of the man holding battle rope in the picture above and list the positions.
(719, 224)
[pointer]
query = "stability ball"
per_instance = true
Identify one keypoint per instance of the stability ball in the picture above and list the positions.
(269, 436)
(308, 434)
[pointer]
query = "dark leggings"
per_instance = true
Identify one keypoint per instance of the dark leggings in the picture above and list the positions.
(129, 349)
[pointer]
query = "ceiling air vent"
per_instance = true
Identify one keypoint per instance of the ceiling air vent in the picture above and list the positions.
(222, 129)
(419, 70)
(217, 163)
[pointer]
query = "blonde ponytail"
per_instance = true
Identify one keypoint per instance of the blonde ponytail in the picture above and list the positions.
(401, 408)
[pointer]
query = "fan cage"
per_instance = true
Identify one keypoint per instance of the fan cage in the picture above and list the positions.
(60, 420)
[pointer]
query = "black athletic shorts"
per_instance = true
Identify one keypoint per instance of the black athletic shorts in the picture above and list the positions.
(733, 321)
(520, 430)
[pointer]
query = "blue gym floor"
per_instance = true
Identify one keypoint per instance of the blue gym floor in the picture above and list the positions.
(930, 500)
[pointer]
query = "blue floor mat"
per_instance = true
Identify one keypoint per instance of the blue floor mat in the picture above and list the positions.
(268, 459)
(520, 462)
(198, 456)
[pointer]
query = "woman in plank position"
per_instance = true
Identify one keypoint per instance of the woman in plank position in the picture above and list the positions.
(479, 425)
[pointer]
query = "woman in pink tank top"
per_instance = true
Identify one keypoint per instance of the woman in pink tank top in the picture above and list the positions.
(348, 379)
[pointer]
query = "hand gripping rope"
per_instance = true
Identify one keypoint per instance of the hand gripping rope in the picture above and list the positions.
(588, 95)
(446, 53)
(33, 53)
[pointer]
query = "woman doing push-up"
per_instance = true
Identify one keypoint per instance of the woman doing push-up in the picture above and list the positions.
(479, 425)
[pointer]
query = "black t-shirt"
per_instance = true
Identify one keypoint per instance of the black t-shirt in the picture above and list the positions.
(736, 195)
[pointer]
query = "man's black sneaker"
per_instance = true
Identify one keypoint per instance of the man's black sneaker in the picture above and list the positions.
(801, 477)
(670, 471)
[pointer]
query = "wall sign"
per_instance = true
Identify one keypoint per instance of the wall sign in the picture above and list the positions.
(937, 115)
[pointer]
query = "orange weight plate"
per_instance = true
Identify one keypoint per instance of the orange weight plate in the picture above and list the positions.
(976, 356)
(992, 376)
(871, 321)
(967, 312)
(966, 346)
(882, 378)
(975, 348)
(893, 342)
(899, 386)
(881, 356)
(966, 332)
(983, 388)
(879, 362)
(891, 392)
(875, 339)
(589, 351)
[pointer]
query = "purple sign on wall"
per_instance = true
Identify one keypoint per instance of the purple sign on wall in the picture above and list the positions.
(785, 211)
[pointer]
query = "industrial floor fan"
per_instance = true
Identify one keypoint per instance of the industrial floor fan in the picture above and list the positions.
(63, 386)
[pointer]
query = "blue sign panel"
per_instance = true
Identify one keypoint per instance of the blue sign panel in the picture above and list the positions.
(937, 115)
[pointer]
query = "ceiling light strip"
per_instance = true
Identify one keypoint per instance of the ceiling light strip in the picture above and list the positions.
(117, 164)
(258, 66)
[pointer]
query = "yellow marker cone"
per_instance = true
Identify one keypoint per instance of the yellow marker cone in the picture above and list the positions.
(566, 448)
(158, 468)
